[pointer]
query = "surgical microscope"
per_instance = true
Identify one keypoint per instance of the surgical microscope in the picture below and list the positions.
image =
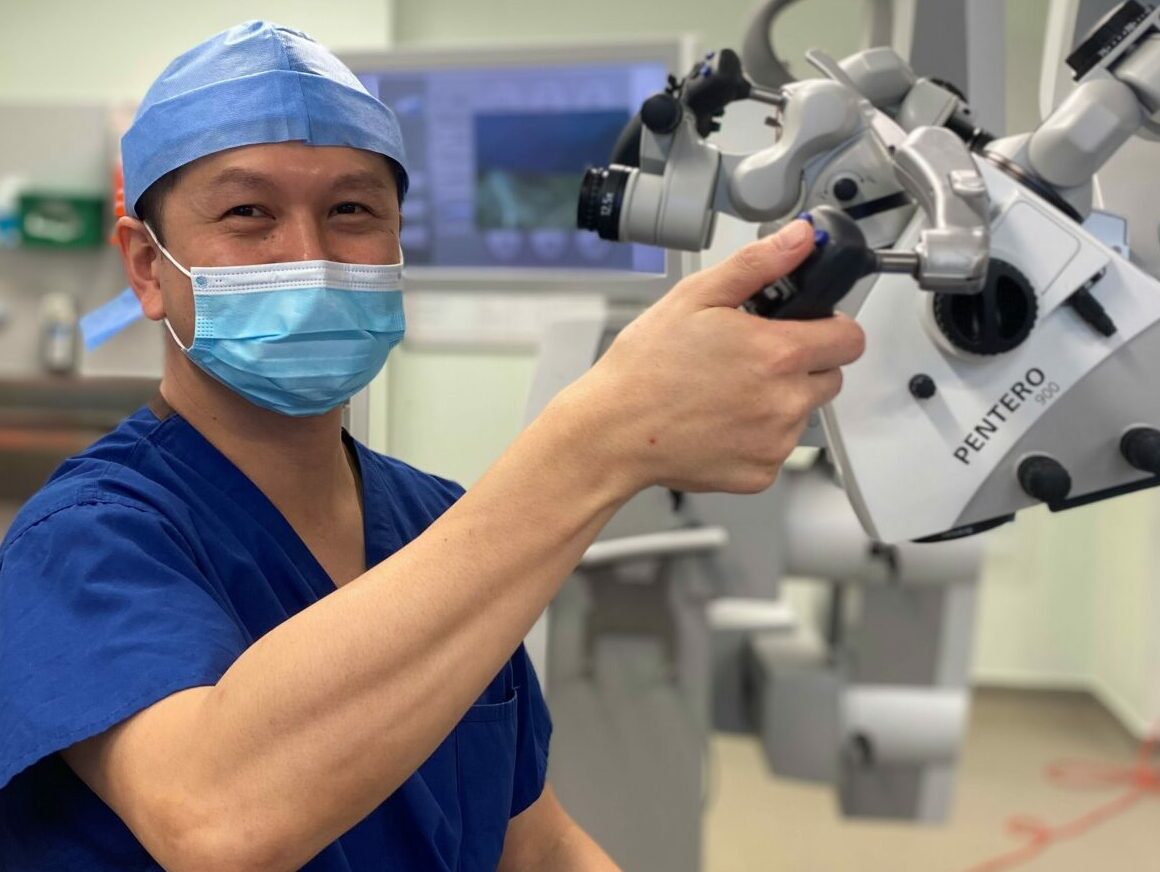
(1011, 351)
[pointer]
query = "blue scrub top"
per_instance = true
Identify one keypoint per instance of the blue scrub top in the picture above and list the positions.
(147, 565)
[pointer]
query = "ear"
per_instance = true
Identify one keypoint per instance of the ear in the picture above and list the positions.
(142, 262)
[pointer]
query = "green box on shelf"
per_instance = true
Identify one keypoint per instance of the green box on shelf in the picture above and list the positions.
(57, 220)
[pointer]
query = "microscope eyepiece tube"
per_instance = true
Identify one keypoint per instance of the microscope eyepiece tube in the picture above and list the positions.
(602, 198)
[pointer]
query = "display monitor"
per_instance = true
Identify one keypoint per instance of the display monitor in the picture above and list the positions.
(497, 143)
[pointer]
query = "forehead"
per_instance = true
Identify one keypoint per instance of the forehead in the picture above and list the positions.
(290, 166)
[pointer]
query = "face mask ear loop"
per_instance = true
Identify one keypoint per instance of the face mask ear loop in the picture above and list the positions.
(165, 251)
(182, 269)
(173, 333)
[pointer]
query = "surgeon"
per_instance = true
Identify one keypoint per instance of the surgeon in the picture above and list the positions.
(233, 638)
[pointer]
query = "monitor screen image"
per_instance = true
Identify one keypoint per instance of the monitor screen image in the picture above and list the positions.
(526, 165)
(496, 155)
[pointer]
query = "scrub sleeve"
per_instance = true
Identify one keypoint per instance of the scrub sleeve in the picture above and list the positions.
(100, 617)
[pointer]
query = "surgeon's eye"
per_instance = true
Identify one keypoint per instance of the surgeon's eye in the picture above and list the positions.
(351, 209)
(244, 211)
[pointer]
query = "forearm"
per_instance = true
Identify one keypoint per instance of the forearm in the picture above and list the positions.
(544, 838)
(574, 851)
(321, 719)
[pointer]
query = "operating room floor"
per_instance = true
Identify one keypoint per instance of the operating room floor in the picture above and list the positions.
(756, 823)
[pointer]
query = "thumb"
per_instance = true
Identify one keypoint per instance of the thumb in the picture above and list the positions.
(749, 269)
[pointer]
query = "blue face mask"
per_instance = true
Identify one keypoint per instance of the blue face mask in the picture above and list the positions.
(297, 338)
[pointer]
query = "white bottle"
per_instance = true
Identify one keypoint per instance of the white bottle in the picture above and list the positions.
(58, 333)
(10, 211)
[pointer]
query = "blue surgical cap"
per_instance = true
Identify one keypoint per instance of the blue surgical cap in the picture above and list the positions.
(254, 83)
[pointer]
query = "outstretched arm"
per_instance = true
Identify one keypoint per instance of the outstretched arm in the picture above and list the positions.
(325, 716)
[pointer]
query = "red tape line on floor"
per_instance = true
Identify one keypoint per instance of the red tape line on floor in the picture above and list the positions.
(1139, 781)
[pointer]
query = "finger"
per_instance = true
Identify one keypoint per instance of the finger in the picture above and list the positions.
(749, 269)
(820, 345)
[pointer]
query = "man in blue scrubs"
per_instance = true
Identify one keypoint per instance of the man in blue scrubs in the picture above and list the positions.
(233, 638)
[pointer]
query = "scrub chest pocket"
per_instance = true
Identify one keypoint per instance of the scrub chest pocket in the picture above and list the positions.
(485, 750)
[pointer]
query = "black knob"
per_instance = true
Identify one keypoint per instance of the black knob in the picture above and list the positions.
(996, 319)
(1043, 478)
(1141, 448)
(922, 387)
(845, 189)
(661, 113)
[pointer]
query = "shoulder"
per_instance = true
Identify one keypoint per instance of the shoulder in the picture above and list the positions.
(111, 475)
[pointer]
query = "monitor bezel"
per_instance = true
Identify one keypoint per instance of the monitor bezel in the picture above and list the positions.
(675, 52)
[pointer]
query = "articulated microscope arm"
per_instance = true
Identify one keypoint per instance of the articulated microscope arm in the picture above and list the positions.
(1118, 97)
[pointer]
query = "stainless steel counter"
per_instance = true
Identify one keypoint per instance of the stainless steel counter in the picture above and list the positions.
(44, 420)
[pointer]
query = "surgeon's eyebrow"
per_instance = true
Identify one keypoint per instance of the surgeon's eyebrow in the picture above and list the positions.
(362, 180)
(241, 178)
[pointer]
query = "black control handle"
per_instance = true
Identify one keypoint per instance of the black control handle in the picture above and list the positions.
(813, 289)
(713, 84)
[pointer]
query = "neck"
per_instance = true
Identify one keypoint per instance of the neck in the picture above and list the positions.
(299, 463)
